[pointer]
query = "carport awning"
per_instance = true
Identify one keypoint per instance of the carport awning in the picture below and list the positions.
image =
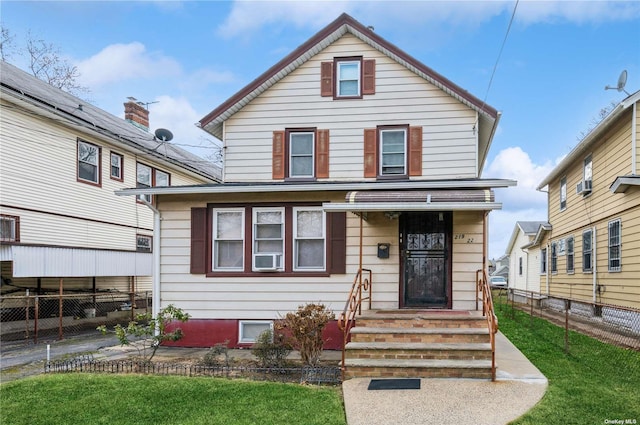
(435, 200)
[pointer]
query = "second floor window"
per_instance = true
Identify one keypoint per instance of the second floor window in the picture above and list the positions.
(88, 163)
(393, 152)
(301, 154)
(563, 193)
(116, 166)
(147, 177)
(587, 250)
(587, 174)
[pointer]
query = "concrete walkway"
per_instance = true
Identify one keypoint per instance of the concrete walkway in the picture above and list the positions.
(518, 387)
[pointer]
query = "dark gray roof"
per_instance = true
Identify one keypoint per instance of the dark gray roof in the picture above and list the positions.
(531, 227)
(16, 82)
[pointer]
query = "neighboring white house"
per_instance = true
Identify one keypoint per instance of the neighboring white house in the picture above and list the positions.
(525, 257)
(501, 267)
(348, 154)
(61, 160)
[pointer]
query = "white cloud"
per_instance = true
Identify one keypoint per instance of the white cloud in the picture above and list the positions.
(120, 62)
(249, 17)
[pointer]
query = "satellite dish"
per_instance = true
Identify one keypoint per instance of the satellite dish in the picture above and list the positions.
(164, 134)
(622, 81)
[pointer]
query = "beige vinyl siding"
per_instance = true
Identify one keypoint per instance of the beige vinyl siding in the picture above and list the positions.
(636, 130)
(611, 158)
(449, 142)
(268, 297)
(38, 174)
(467, 257)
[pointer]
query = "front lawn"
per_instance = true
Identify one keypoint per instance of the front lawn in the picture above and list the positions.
(596, 383)
(134, 399)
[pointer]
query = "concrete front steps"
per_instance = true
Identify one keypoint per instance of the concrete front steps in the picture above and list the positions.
(419, 344)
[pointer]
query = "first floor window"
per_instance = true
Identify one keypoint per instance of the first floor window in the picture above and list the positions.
(554, 257)
(614, 245)
(520, 266)
(393, 149)
(9, 228)
(309, 239)
(587, 250)
(116, 166)
(88, 162)
(144, 243)
(268, 238)
(543, 260)
(228, 239)
(570, 255)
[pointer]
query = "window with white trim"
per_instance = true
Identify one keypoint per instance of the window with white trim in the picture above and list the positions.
(348, 78)
(570, 255)
(393, 151)
(614, 245)
(116, 166)
(228, 239)
(9, 228)
(88, 163)
(587, 251)
(520, 266)
(268, 239)
(301, 153)
(587, 170)
(543, 261)
(554, 257)
(250, 330)
(309, 239)
(563, 193)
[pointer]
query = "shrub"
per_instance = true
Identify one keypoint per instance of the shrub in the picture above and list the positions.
(271, 350)
(213, 356)
(150, 332)
(306, 326)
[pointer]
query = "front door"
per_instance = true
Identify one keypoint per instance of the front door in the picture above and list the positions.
(425, 243)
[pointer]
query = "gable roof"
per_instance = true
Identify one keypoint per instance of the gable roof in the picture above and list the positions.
(578, 152)
(529, 228)
(47, 99)
(488, 116)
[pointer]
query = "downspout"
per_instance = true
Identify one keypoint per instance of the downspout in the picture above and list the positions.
(155, 286)
(634, 141)
(594, 266)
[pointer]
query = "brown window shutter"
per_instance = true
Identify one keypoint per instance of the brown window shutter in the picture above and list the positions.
(370, 153)
(337, 225)
(369, 76)
(415, 151)
(322, 154)
(198, 240)
(278, 155)
(326, 79)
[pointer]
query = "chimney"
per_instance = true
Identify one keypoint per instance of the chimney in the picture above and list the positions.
(136, 113)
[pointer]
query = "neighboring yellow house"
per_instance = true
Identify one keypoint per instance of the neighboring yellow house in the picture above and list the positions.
(347, 153)
(593, 248)
(61, 160)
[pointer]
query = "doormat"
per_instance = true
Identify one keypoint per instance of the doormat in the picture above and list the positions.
(394, 384)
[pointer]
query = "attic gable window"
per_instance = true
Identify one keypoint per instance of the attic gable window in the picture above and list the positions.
(348, 77)
(88, 163)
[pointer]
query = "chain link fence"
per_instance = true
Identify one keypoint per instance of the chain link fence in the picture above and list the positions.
(616, 325)
(34, 318)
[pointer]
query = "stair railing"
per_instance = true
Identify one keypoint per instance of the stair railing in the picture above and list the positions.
(360, 291)
(484, 291)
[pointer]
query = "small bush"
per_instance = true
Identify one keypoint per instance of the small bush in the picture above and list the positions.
(271, 350)
(306, 326)
(218, 355)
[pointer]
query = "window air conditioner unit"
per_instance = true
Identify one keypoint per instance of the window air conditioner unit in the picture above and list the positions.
(267, 262)
(584, 187)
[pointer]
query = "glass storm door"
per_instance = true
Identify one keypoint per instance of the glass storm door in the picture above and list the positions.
(425, 240)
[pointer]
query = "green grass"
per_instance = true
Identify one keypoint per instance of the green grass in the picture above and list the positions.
(594, 383)
(111, 399)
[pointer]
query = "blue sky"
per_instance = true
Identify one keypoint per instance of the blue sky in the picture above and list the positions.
(190, 56)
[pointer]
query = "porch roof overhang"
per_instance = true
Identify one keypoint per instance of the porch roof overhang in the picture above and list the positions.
(437, 200)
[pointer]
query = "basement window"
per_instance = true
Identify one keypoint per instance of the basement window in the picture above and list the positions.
(250, 330)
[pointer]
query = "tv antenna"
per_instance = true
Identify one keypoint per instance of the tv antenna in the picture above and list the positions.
(622, 81)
